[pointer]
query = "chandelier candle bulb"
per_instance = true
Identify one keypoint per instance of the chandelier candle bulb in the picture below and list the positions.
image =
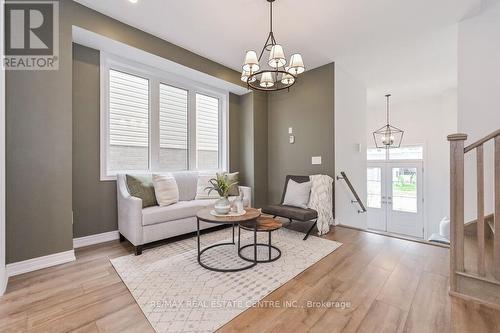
(267, 80)
(251, 62)
(287, 79)
(245, 76)
(296, 65)
(277, 56)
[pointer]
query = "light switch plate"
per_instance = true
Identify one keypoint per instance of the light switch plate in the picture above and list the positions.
(290, 130)
(316, 160)
(292, 139)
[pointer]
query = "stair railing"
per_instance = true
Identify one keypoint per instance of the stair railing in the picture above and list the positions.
(457, 177)
(353, 191)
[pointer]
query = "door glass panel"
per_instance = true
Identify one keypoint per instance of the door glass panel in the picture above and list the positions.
(374, 187)
(404, 189)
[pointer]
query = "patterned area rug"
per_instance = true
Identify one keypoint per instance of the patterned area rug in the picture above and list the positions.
(178, 295)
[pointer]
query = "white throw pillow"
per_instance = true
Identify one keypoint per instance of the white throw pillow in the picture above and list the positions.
(166, 190)
(203, 183)
(297, 194)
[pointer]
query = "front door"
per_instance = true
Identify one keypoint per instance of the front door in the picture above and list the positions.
(395, 197)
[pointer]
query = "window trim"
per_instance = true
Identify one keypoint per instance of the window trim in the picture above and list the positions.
(155, 78)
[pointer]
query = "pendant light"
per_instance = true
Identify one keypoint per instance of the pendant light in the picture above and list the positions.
(388, 136)
(277, 75)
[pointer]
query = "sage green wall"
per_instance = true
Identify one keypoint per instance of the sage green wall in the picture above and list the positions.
(309, 109)
(234, 134)
(246, 148)
(260, 128)
(39, 136)
(94, 201)
(38, 157)
(253, 143)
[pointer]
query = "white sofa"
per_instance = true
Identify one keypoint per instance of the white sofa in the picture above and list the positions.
(141, 226)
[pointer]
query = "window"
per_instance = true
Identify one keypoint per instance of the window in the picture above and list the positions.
(407, 153)
(375, 154)
(173, 128)
(207, 132)
(128, 122)
(401, 153)
(154, 121)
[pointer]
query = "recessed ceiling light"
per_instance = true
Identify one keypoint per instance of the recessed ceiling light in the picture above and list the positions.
(133, 1)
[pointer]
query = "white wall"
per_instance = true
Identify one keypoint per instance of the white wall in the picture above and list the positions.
(350, 132)
(479, 94)
(3, 276)
(426, 121)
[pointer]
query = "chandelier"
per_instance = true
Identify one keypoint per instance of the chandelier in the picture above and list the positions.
(388, 136)
(278, 74)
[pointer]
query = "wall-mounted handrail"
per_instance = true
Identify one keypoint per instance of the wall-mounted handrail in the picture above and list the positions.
(356, 196)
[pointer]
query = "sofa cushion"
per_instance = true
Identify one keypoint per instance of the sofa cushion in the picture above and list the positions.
(141, 186)
(177, 211)
(203, 183)
(295, 213)
(186, 183)
(234, 190)
(166, 190)
(297, 194)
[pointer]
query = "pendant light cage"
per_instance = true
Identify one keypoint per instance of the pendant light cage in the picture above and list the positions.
(388, 136)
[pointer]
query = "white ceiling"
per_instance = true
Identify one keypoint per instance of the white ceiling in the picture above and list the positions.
(406, 47)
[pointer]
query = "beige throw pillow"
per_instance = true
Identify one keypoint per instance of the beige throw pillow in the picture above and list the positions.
(166, 190)
(203, 183)
(234, 190)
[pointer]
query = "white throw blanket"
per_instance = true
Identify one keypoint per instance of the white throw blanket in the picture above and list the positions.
(321, 201)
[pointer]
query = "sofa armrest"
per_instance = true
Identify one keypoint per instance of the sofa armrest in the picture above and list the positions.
(246, 193)
(129, 213)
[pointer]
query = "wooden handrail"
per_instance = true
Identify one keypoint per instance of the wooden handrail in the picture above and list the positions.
(482, 141)
(358, 200)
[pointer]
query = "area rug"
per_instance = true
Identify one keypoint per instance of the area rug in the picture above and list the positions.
(178, 295)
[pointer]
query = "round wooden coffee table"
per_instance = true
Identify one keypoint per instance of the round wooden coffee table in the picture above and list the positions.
(264, 224)
(249, 217)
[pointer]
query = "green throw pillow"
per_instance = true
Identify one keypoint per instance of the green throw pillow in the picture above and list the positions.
(234, 190)
(142, 187)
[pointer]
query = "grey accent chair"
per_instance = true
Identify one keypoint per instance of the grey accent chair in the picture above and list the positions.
(293, 213)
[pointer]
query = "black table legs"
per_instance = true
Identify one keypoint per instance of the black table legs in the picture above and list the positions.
(215, 269)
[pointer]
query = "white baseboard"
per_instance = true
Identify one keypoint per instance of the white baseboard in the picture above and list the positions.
(34, 264)
(3, 281)
(95, 239)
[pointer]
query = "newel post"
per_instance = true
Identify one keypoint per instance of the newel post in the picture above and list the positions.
(456, 206)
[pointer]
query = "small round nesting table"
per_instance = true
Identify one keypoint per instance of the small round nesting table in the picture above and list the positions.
(264, 224)
(250, 218)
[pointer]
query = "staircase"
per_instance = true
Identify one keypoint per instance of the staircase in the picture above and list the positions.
(474, 246)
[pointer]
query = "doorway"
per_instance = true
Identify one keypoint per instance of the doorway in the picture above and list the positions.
(395, 194)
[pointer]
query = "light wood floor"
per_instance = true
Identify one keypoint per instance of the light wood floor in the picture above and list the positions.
(393, 285)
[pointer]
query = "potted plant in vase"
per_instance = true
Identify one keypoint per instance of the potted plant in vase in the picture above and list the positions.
(221, 185)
